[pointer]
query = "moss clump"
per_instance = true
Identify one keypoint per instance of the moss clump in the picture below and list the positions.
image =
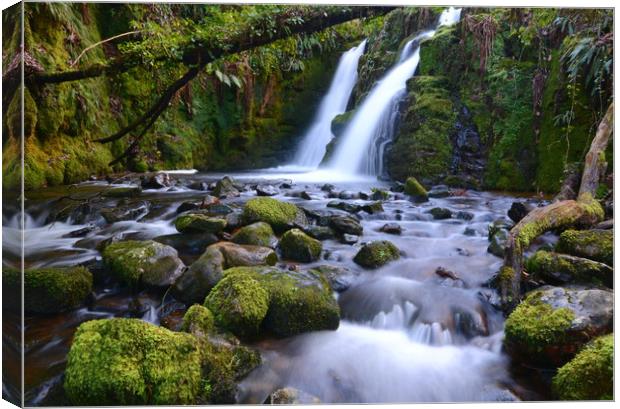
(47, 290)
(596, 245)
(535, 326)
(199, 223)
(565, 269)
(280, 215)
(131, 362)
(415, 189)
(376, 254)
(257, 234)
(198, 319)
(239, 304)
(590, 375)
(298, 246)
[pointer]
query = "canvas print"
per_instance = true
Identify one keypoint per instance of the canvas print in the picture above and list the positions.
(301, 204)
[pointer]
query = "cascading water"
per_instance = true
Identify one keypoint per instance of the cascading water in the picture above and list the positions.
(370, 131)
(312, 148)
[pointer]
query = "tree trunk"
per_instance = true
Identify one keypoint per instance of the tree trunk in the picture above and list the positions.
(583, 212)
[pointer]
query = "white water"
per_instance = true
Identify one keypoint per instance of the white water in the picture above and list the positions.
(312, 148)
(371, 129)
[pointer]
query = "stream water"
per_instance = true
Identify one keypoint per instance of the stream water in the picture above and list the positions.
(406, 334)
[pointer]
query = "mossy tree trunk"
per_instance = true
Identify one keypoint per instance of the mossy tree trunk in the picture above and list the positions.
(583, 212)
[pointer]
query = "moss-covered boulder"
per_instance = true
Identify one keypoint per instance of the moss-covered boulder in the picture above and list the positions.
(143, 262)
(414, 189)
(281, 216)
(298, 301)
(346, 225)
(590, 375)
(556, 268)
(497, 245)
(597, 245)
(198, 320)
(257, 234)
(196, 282)
(239, 304)
(131, 362)
(298, 246)
(225, 187)
(199, 223)
(376, 254)
(47, 290)
(553, 323)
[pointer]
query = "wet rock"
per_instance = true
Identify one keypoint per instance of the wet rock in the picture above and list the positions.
(188, 244)
(122, 192)
(225, 188)
(440, 213)
(143, 262)
(391, 228)
(556, 268)
(372, 208)
(588, 376)
(320, 232)
(170, 367)
(298, 246)
(196, 282)
(234, 220)
(132, 211)
(553, 323)
(187, 206)
(414, 189)
(463, 215)
(463, 252)
(47, 290)
(339, 278)
(364, 195)
(328, 187)
(199, 223)
(347, 195)
(597, 245)
(198, 185)
(307, 196)
(80, 232)
(398, 187)
(347, 207)
(469, 231)
(257, 234)
(606, 225)
(349, 239)
(266, 190)
(499, 224)
(518, 210)
(157, 181)
(445, 273)
(281, 216)
(286, 185)
(497, 246)
(346, 225)
(292, 396)
(378, 194)
(439, 191)
(468, 324)
(216, 209)
(376, 254)
(206, 202)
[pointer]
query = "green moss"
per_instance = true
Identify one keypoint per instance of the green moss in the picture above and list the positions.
(554, 266)
(239, 304)
(48, 290)
(131, 362)
(415, 189)
(596, 245)
(535, 326)
(280, 215)
(376, 254)
(198, 319)
(199, 223)
(298, 246)
(589, 376)
(257, 234)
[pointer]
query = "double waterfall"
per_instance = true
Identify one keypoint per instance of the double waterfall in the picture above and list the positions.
(362, 145)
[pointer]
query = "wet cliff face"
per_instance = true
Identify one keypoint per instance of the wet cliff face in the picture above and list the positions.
(495, 110)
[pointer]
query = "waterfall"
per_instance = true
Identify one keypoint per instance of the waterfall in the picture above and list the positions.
(365, 138)
(312, 148)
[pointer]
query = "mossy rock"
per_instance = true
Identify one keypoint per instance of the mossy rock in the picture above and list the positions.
(47, 290)
(414, 189)
(376, 254)
(298, 301)
(239, 304)
(298, 246)
(440, 213)
(553, 323)
(590, 375)
(198, 320)
(124, 361)
(143, 262)
(257, 234)
(340, 122)
(196, 282)
(199, 223)
(562, 268)
(281, 216)
(597, 245)
(225, 187)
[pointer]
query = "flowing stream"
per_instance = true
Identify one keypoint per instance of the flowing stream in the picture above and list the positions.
(363, 142)
(406, 334)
